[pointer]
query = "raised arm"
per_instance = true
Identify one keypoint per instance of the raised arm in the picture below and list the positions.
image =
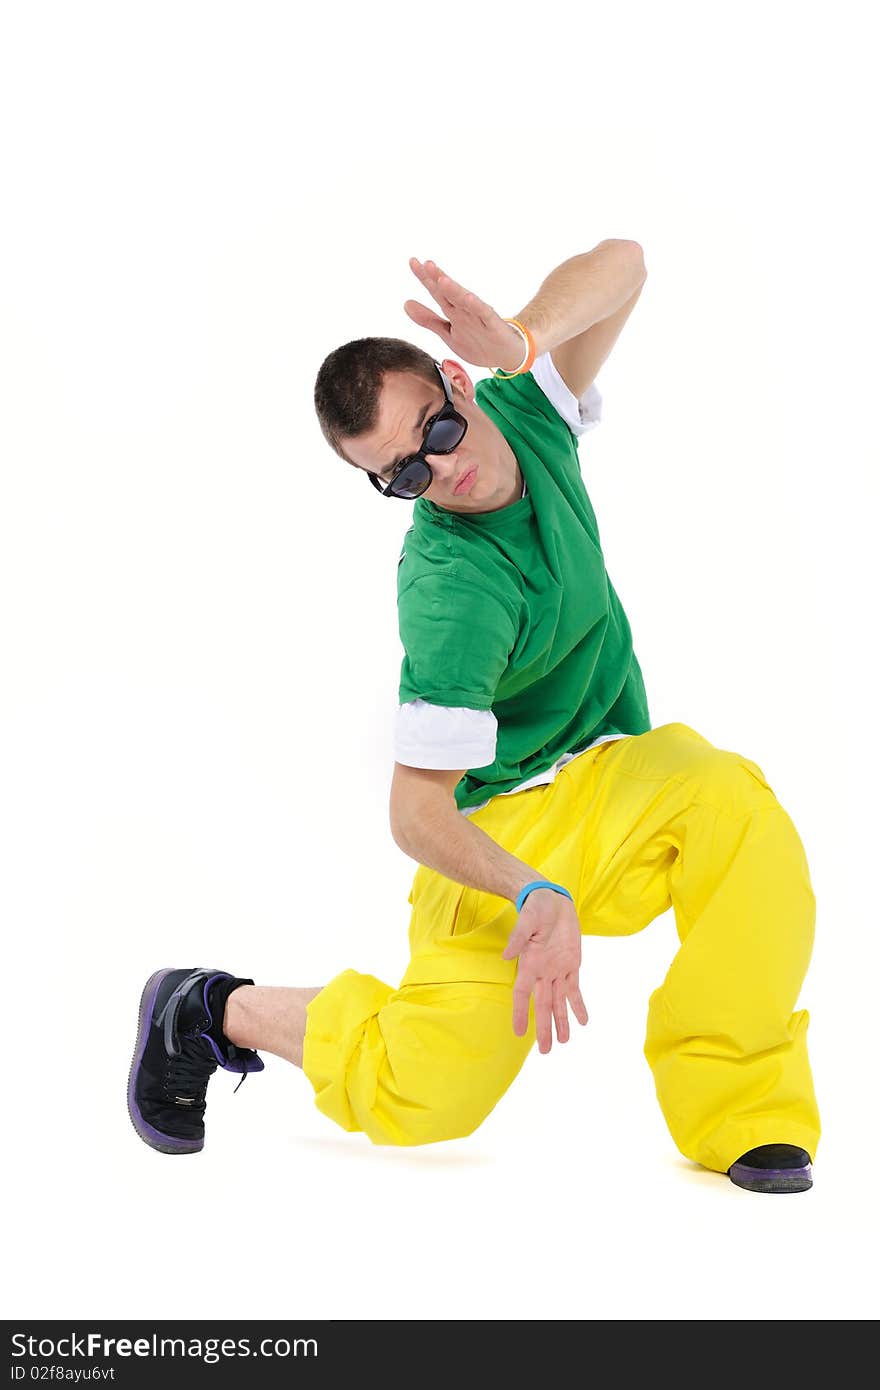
(576, 315)
(579, 310)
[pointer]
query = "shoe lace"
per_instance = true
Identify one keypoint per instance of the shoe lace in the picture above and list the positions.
(187, 1075)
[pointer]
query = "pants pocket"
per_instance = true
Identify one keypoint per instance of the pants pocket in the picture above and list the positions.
(441, 909)
(465, 913)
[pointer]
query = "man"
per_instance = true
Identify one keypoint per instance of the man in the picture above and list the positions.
(528, 785)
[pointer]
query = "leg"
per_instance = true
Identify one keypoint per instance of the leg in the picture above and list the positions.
(268, 1019)
(698, 828)
(665, 819)
(727, 1048)
(429, 1060)
(632, 827)
(416, 1065)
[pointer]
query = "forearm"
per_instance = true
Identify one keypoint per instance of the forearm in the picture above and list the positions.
(583, 291)
(441, 838)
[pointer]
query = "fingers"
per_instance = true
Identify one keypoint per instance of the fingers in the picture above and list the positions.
(517, 940)
(552, 1001)
(543, 1002)
(521, 996)
(575, 999)
(560, 1011)
(548, 971)
(437, 284)
(449, 294)
(426, 318)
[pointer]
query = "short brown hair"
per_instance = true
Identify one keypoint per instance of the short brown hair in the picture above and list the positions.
(350, 380)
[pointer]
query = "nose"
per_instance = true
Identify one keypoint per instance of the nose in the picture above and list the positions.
(443, 466)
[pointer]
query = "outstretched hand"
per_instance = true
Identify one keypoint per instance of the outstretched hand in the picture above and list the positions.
(471, 328)
(547, 940)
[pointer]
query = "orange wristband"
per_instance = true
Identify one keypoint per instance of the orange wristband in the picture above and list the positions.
(531, 353)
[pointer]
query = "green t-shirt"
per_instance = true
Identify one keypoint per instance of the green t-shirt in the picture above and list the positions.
(513, 610)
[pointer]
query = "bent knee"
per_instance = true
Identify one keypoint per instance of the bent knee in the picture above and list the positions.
(424, 1074)
(393, 1121)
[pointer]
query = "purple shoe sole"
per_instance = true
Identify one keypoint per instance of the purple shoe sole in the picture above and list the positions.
(771, 1179)
(165, 1143)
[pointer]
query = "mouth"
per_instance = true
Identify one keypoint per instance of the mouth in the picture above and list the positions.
(464, 483)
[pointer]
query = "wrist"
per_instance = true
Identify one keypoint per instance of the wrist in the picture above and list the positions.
(540, 885)
(527, 353)
(516, 354)
(536, 335)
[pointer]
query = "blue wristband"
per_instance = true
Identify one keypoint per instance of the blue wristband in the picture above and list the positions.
(539, 883)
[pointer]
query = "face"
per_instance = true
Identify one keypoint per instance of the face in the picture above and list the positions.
(407, 404)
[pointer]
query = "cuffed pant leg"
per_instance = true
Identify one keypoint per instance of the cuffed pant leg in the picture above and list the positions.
(337, 1020)
(417, 1065)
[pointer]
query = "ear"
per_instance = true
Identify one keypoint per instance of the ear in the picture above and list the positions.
(459, 377)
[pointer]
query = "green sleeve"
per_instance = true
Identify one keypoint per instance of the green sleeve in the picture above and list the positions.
(457, 638)
(524, 393)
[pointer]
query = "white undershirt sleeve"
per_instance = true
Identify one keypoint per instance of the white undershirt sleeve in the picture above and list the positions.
(444, 737)
(579, 414)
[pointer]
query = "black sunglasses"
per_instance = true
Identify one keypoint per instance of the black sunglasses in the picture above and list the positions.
(444, 433)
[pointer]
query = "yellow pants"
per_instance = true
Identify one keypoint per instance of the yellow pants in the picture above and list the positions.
(629, 827)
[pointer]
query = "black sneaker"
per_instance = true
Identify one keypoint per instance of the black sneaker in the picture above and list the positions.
(180, 1044)
(773, 1168)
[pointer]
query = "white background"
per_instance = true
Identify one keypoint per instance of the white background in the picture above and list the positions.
(199, 639)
